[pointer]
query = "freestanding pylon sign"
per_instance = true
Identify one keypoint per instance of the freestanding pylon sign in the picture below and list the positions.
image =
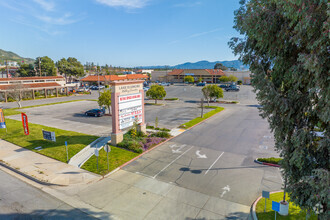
(127, 103)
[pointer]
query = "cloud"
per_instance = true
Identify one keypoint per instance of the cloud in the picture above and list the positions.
(204, 33)
(124, 3)
(195, 35)
(187, 5)
(46, 5)
(64, 20)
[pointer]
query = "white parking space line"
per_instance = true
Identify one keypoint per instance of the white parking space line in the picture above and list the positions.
(213, 163)
(171, 162)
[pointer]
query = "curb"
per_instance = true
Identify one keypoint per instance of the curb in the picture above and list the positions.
(253, 207)
(264, 163)
(204, 120)
(29, 177)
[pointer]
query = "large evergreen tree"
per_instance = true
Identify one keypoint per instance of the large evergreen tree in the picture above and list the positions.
(70, 67)
(286, 44)
(47, 66)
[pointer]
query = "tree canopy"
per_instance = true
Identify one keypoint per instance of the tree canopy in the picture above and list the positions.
(286, 44)
(224, 79)
(70, 67)
(189, 79)
(105, 100)
(220, 66)
(47, 66)
(156, 92)
(232, 78)
(212, 91)
(26, 70)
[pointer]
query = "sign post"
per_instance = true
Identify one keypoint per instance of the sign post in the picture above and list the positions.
(265, 194)
(275, 207)
(67, 154)
(96, 152)
(127, 102)
(107, 149)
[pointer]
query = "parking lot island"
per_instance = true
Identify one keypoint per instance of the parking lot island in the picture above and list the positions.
(127, 103)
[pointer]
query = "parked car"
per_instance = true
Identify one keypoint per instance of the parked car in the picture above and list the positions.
(102, 87)
(201, 84)
(232, 88)
(223, 86)
(94, 112)
(145, 88)
(164, 84)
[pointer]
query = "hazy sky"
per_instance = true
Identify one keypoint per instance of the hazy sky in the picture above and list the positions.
(119, 32)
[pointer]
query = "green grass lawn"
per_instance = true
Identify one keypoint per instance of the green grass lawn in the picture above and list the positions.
(199, 119)
(171, 99)
(76, 141)
(272, 160)
(117, 157)
(10, 111)
(295, 212)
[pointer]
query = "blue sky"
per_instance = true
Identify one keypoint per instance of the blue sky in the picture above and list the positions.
(119, 32)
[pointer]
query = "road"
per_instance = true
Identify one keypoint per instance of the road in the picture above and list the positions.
(18, 200)
(216, 157)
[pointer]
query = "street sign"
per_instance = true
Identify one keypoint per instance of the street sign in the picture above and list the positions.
(67, 153)
(25, 123)
(48, 135)
(96, 152)
(265, 194)
(276, 206)
(107, 148)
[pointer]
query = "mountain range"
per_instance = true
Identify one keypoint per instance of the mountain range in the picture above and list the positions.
(11, 56)
(204, 64)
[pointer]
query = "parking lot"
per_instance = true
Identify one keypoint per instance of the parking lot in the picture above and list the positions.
(70, 116)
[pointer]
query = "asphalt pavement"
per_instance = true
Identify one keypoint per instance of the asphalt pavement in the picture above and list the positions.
(19, 200)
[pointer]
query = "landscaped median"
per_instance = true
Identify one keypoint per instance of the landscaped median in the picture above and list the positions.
(294, 211)
(133, 144)
(205, 116)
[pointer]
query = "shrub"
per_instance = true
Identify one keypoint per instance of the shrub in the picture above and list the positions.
(150, 127)
(162, 134)
(10, 99)
(272, 160)
(36, 93)
(239, 82)
(151, 141)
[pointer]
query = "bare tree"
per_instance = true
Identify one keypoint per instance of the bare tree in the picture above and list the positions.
(16, 93)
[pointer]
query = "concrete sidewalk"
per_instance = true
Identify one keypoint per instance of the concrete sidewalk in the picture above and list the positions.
(43, 168)
(82, 156)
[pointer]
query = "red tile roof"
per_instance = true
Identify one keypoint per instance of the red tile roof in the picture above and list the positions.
(32, 78)
(176, 72)
(30, 85)
(215, 72)
(113, 77)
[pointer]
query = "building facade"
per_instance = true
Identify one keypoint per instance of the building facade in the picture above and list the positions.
(205, 75)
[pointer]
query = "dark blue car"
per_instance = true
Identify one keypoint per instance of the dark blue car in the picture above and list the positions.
(94, 112)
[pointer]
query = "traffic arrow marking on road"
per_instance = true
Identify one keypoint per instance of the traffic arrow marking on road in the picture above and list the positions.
(199, 155)
(225, 190)
(177, 151)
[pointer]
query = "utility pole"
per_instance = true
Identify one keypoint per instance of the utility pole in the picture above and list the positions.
(98, 79)
(7, 69)
(39, 67)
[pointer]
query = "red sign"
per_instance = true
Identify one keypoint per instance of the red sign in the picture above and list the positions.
(25, 124)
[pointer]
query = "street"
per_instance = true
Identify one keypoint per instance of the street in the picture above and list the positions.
(19, 200)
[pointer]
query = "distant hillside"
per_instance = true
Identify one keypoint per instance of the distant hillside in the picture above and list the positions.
(10, 56)
(202, 65)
